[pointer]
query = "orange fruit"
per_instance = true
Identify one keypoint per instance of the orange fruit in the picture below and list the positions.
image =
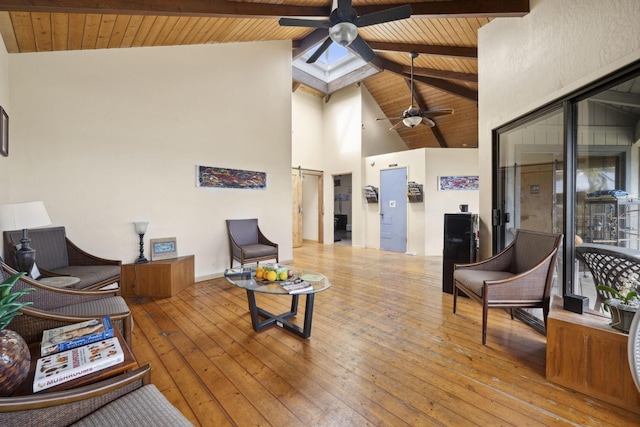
(259, 273)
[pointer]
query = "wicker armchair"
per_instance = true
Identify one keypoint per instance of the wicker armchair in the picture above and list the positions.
(59, 256)
(518, 277)
(608, 264)
(247, 243)
(126, 400)
(54, 307)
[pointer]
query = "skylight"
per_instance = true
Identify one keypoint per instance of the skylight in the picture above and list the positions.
(335, 63)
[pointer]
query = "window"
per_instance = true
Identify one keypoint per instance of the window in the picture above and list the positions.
(554, 168)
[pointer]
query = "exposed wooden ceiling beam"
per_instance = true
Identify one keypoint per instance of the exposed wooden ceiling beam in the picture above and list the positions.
(442, 74)
(447, 86)
(452, 51)
(444, 9)
(444, 85)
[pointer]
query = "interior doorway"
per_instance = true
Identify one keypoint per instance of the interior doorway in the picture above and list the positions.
(342, 207)
(308, 205)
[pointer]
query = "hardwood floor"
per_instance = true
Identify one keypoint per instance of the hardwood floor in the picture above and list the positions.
(385, 349)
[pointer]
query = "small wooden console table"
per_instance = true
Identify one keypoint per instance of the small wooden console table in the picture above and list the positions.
(585, 354)
(161, 279)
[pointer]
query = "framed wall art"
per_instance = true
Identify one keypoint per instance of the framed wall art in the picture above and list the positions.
(209, 176)
(458, 182)
(165, 248)
(4, 132)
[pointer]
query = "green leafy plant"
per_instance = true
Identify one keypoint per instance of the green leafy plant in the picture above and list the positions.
(9, 307)
(627, 294)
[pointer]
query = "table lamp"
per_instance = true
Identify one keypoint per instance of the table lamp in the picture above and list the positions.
(141, 229)
(16, 216)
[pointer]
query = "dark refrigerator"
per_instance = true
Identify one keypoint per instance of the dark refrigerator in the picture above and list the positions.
(460, 244)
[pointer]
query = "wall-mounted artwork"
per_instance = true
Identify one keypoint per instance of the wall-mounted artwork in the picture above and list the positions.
(209, 176)
(460, 182)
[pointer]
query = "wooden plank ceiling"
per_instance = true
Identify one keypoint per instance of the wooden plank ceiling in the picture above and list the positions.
(443, 32)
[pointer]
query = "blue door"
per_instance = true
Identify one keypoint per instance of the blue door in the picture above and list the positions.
(393, 210)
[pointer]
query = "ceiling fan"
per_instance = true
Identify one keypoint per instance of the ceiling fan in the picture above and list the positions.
(343, 27)
(413, 116)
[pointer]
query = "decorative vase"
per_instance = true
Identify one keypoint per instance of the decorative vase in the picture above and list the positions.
(14, 361)
(621, 315)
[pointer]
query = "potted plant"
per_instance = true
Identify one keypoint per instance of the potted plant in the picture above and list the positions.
(624, 301)
(14, 351)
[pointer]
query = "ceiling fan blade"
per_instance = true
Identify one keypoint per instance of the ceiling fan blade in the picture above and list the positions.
(401, 12)
(324, 46)
(295, 22)
(389, 118)
(344, 6)
(396, 126)
(362, 48)
(429, 121)
(439, 112)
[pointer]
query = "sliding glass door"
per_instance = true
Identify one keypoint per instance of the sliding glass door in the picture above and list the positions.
(573, 168)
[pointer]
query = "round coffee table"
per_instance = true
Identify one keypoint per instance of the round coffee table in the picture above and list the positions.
(319, 282)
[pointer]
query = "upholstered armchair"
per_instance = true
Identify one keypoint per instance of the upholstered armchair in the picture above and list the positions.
(247, 244)
(518, 277)
(54, 307)
(127, 399)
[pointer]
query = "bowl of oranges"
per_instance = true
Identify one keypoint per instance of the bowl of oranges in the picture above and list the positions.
(273, 273)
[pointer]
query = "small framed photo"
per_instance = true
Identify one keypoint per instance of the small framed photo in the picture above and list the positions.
(165, 248)
(4, 132)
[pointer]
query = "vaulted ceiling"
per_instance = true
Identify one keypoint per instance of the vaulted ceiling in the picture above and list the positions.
(442, 32)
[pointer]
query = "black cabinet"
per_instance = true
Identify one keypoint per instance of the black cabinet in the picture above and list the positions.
(460, 244)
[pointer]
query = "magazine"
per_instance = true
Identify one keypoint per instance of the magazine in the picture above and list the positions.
(298, 286)
(76, 335)
(71, 364)
(239, 272)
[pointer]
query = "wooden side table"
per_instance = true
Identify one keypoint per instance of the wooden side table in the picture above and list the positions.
(585, 354)
(161, 279)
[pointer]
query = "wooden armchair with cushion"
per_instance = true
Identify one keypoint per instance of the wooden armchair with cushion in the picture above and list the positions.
(125, 400)
(247, 244)
(56, 255)
(54, 307)
(518, 277)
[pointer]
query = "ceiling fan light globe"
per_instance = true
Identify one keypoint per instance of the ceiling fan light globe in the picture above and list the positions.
(412, 122)
(343, 33)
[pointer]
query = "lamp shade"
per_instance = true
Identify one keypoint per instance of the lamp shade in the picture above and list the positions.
(343, 33)
(141, 227)
(22, 216)
(412, 121)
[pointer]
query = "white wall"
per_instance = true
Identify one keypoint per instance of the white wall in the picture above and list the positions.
(307, 121)
(376, 136)
(342, 149)
(5, 175)
(526, 62)
(425, 221)
(108, 137)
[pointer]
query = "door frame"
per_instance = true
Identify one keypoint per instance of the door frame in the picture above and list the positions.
(320, 216)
